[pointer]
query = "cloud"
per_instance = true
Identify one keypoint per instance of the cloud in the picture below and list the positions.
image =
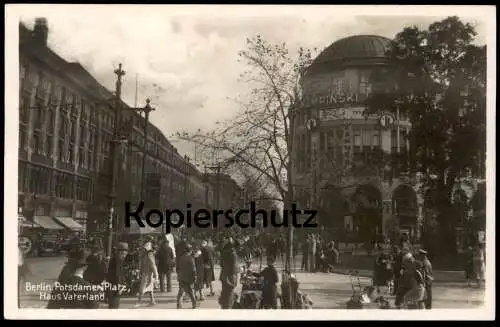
(186, 56)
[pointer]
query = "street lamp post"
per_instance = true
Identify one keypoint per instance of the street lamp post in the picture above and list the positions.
(119, 140)
(114, 157)
(147, 110)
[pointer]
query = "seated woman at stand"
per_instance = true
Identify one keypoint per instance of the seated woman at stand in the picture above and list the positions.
(270, 285)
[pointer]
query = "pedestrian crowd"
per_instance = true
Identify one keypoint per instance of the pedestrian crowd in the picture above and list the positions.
(404, 272)
(319, 254)
(142, 269)
(146, 267)
(407, 273)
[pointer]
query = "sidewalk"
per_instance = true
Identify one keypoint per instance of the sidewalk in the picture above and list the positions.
(364, 267)
(439, 275)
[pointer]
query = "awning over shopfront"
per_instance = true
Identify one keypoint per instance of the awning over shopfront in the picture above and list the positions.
(70, 223)
(25, 223)
(47, 223)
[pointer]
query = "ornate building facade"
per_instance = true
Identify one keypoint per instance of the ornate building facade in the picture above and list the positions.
(66, 124)
(354, 167)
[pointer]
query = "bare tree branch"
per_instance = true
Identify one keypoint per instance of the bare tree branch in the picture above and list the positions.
(258, 139)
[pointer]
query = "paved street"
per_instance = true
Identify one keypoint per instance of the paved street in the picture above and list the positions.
(328, 291)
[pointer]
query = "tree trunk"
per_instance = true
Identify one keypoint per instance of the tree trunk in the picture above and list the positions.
(446, 220)
(290, 236)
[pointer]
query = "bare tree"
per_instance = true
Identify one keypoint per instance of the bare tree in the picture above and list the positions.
(259, 136)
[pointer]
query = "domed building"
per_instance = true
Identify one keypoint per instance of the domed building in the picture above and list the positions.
(354, 167)
(351, 166)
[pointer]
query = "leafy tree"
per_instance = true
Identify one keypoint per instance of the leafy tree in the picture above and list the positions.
(441, 86)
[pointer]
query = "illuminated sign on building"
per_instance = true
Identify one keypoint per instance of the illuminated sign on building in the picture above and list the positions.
(333, 99)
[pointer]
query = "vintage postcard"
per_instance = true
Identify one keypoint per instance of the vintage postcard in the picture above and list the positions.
(250, 162)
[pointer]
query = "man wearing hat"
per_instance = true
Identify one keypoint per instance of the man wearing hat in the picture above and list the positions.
(208, 257)
(166, 263)
(96, 270)
(426, 266)
(68, 267)
(186, 275)
(81, 294)
(270, 287)
(228, 275)
(116, 275)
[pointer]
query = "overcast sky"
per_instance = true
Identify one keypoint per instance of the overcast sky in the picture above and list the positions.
(186, 57)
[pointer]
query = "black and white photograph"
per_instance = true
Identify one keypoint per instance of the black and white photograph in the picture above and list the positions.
(173, 160)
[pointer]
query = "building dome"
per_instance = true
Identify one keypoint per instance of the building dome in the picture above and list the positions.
(354, 48)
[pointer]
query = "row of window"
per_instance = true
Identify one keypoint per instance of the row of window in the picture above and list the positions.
(361, 137)
(47, 91)
(156, 149)
(336, 143)
(77, 137)
(175, 183)
(43, 119)
(65, 149)
(39, 181)
(70, 101)
(345, 82)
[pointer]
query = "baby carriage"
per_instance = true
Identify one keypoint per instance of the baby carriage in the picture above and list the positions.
(133, 281)
(251, 291)
(132, 274)
(364, 296)
(359, 297)
(291, 296)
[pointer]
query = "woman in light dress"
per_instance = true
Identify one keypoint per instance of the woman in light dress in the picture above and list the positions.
(148, 273)
(479, 263)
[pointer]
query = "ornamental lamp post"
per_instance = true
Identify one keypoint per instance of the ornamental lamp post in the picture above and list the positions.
(114, 156)
(147, 110)
(110, 235)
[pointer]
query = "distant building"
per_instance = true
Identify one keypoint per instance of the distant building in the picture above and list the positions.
(227, 193)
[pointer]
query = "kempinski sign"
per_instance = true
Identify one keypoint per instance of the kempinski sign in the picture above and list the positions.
(333, 99)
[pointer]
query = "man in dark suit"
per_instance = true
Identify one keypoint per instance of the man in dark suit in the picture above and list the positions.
(397, 266)
(73, 291)
(116, 275)
(166, 263)
(207, 254)
(96, 269)
(228, 275)
(270, 287)
(186, 275)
